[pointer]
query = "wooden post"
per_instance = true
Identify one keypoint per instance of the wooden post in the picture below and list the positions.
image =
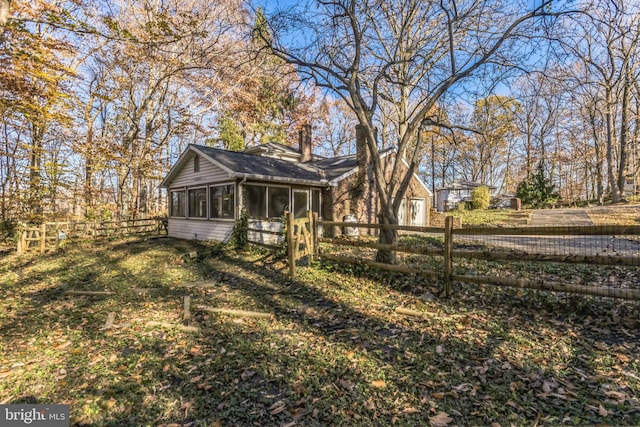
(448, 247)
(311, 240)
(314, 233)
(290, 244)
(43, 237)
(57, 231)
(187, 310)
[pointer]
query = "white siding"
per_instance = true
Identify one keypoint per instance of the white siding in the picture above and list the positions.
(271, 236)
(200, 229)
(209, 173)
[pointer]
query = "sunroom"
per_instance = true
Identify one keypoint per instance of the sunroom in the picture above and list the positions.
(209, 188)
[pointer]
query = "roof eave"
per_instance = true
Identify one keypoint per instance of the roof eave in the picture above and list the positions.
(283, 179)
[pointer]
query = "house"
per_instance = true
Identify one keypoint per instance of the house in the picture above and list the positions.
(448, 197)
(209, 187)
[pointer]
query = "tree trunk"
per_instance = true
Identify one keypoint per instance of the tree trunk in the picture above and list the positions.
(613, 183)
(389, 237)
(624, 131)
(599, 178)
(35, 174)
(88, 171)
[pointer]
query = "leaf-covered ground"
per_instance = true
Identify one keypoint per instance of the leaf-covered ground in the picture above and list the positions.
(336, 352)
(615, 214)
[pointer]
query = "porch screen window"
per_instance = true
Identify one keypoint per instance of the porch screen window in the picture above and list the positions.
(265, 202)
(278, 201)
(176, 204)
(315, 202)
(198, 203)
(222, 201)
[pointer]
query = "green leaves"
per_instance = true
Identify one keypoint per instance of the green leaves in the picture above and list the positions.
(537, 191)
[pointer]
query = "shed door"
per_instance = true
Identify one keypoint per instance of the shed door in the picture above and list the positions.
(417, 212)
(402, 213)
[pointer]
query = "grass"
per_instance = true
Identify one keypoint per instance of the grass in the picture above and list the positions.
(472, 217)
(336, 352)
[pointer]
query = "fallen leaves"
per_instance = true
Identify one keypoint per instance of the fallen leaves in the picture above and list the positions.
(338, 352)
(441, 419)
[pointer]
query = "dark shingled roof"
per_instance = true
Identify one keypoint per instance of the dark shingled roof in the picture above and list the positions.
(337, 166)
(250, 164)
(319, 171)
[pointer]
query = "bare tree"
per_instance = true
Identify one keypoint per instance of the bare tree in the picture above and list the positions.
(610, 37)
(392, 59)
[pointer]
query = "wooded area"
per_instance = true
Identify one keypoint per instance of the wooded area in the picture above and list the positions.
(97, 99)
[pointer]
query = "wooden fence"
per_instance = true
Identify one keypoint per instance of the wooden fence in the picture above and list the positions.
(51, 235)
(525, 244)
(301, 231)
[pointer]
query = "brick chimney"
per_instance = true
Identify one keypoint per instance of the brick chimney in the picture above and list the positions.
(304, 143)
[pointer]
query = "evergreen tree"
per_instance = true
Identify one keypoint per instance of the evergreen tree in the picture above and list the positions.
(537, 191)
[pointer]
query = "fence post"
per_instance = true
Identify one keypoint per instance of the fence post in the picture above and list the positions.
(448, 246)
(314, 231)
(43, 237)
(290, 245)
(310, 239)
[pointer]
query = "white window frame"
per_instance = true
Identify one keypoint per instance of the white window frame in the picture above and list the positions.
(184, 207)
(235, 200)
(199, 218)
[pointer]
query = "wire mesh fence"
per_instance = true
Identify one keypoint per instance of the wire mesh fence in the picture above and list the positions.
(589, 260)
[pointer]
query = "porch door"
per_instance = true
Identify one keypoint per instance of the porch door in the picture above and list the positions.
(300, 203)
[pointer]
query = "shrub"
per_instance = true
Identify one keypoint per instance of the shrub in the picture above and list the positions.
(480, 197)
(240, 236)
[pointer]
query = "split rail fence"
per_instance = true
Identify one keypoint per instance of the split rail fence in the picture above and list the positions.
(53, 235)
(461, 250)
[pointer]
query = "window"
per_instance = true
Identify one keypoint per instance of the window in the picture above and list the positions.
(315, 202)
(196, 163)
(300, 203)
(278, 201)
(255, 200)
(176, 204)
(222, 201)
(265, 202)
(198, 203)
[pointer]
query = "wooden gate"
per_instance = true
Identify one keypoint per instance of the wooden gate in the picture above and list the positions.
(301, 231)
